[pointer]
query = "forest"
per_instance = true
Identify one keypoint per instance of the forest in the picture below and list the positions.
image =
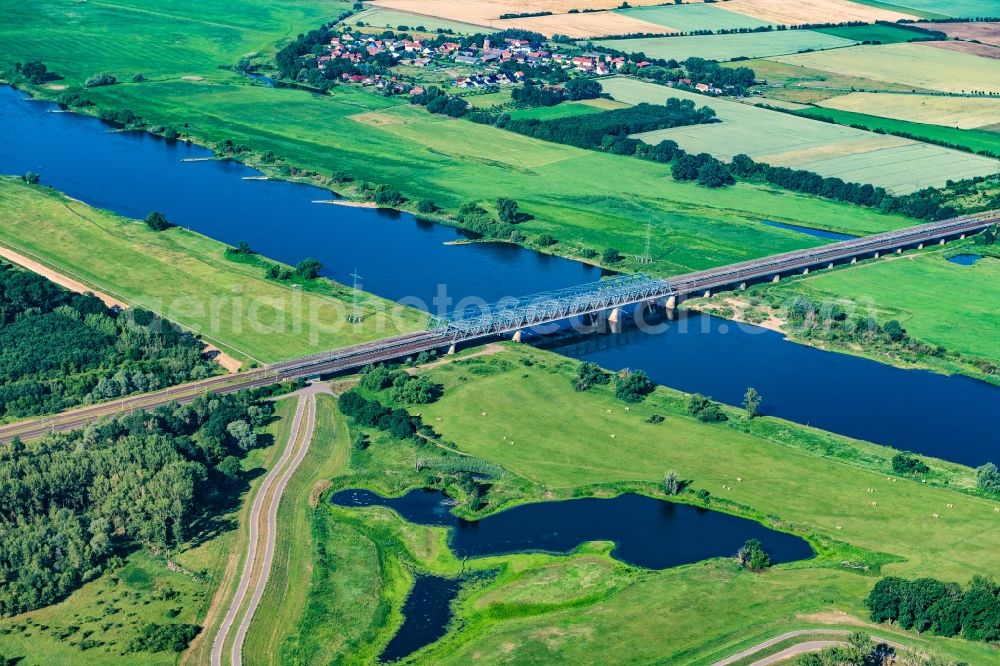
(59, 349)
(73, 504)
(945, 609)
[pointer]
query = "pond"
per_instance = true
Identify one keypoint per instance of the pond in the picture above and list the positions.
(965, 259)
(647, 532)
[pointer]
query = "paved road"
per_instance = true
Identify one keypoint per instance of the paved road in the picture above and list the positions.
(800, 648)
(263, 531)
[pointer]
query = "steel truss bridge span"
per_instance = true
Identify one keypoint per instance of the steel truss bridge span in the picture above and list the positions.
(515, 314)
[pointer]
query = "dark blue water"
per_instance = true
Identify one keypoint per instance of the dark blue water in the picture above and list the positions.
(398, 256)
(818, 233)
(426, 614)
(402, 258)
(950, 417)
(647, 532)
(965, 259)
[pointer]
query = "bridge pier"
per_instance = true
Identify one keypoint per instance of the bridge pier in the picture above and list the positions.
(518, 336)
(776, 278)
(854, 260)
(899, 250)
(878, 254)
(829, 266)
(941, 242)
(743, 286)
(962, 237)
(707, 294)
(805, 271)
(452, 349)
(920, 247)
(615, 320)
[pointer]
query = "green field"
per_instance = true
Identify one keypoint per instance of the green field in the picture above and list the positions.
(431, 157)
(110, 608)
(976, 140)
(229, 304)
(587, 608)
(937, 301)
(564, 110)
(914, 65)
(392, 19)
(872, 32)
(899, 165)
(940, 8)
(727, 47)
(692, 16)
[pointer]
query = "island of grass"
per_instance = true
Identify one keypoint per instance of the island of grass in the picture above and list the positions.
(188, 279)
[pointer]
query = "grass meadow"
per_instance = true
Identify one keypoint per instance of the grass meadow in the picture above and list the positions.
(900, 165)
(914, 65)
(872, 32)
(941, 8)
(587, 607)
(586, 200)
(727, 47)
(935, 300)
(125, 259)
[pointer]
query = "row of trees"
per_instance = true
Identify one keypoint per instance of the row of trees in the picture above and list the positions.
(945, 609)
(531, 94)
(70, 503)
(59, 349)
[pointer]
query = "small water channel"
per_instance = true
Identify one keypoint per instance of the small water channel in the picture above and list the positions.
(809, 231)
(647, 533)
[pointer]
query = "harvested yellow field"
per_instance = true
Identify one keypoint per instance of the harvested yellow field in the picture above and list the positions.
(980, 31)
(812, 11)
(488, 13)
(981, 50)
(960, 112)
(595, 24)
(801, 157)
(912, 65)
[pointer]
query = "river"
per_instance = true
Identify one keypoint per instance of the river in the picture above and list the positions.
(402, 258)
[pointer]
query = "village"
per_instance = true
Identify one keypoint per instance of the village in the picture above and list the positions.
(489, 66)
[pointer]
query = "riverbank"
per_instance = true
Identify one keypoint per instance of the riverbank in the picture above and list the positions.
(185, 277)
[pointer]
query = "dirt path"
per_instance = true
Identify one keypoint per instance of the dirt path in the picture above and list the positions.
(800, 648)
(222, 358)
(263, 529)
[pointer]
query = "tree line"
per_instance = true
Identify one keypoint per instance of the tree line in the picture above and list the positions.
(944, 609)
(73, 503)
(59, 349)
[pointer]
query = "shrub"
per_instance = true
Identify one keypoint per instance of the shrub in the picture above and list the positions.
(426, 206)
(988, 479)
(752, 556)
(309, 268)
(163, 637)
(102, 79)
(157, 221)
(705, 410)
(386, 195)
(611, 256)
(31, 178)
(633, 386)
(903, 463)
(588, 375)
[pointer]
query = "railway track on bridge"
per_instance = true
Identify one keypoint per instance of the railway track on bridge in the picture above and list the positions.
(521, 313)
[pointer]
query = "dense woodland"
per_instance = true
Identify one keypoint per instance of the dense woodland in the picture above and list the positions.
(72, 504)
(59, 349)
(945, 609)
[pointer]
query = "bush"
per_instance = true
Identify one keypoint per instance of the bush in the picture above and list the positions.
(545, 240)
(705, 410)
(102, 79)
(386, 195)
(633, 386)
(988, 479)
(903, 463)
(157, 221)
(611, 256)
(588, 375)
(426, 206)
(163, 637)
(309, 268)
(752, 556)
(31, 178)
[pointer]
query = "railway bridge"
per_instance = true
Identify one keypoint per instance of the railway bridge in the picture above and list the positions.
(512, 316)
